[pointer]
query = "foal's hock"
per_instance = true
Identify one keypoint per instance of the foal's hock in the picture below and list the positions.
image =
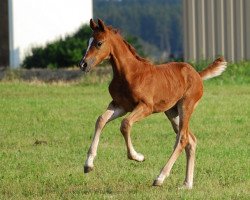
(142, 88)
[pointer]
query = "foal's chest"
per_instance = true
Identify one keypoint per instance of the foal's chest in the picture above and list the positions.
(123, 95)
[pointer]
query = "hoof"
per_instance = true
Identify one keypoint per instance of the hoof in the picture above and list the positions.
(185, 187)
(138, 157)
(88, 169)
(157, 183)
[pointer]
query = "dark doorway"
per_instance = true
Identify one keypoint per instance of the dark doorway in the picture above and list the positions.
(4, 33)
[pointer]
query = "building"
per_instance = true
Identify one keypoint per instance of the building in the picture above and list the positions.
(216, 27)
(28, 23)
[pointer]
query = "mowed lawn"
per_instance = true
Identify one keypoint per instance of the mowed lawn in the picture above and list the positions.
(46, 130)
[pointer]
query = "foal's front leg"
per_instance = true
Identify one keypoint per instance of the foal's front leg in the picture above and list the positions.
(110, 114)
(140, 112)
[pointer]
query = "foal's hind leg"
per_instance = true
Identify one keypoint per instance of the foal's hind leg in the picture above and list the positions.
(190, 155)
(174, 118)
(111, 113)
(138, 113)
(185, 109)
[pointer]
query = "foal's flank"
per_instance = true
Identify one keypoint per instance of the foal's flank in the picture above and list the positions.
(141, 88)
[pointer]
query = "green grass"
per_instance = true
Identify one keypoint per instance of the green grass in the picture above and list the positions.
(64, 116)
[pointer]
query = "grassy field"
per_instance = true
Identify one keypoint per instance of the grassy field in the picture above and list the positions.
(46, 129)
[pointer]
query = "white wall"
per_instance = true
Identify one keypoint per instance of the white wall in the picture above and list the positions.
(35, 22)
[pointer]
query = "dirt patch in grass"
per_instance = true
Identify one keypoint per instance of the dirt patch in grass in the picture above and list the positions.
(49, 75)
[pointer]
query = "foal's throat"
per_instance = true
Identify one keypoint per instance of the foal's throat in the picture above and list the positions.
(123, 61)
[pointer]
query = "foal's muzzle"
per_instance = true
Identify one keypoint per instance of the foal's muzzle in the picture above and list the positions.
(85, 66)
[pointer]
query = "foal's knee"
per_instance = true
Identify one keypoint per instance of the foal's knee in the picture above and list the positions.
(190, 149)
(192, 139)
(191, 146)
(100, 122)
(184, 141)
(125, 125)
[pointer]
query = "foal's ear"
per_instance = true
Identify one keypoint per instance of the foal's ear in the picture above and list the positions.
(101, 25)
(93, 25)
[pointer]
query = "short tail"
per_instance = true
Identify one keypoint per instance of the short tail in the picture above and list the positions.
(214, 69)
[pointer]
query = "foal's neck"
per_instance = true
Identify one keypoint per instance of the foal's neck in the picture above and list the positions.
(124, 59)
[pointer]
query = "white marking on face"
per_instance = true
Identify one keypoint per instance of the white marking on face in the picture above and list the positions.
(90, 42)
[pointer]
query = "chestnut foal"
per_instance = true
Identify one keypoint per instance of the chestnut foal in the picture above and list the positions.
(143, 88)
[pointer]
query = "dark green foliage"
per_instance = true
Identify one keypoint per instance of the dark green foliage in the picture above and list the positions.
(157, 22)
(136, 44)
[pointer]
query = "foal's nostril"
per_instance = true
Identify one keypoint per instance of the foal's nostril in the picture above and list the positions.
(83, 65)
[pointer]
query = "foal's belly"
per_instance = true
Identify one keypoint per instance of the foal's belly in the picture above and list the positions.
(163, 105)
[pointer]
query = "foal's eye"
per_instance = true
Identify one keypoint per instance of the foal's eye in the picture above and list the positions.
(99, 44)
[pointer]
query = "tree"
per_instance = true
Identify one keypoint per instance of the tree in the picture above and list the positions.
(156, 22)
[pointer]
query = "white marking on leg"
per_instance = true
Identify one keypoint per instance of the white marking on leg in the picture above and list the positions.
(90, 161)
(185, 187)
(190, 154)
(167, 168)
(132, 154)
(136, 156)
(110, 114)
(176, 121)
(161, 178)
(89, 45)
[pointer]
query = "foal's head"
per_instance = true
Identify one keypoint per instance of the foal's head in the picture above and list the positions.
(99, 46)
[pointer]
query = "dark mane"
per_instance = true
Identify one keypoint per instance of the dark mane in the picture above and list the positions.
(133, 51)
(130, 47)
